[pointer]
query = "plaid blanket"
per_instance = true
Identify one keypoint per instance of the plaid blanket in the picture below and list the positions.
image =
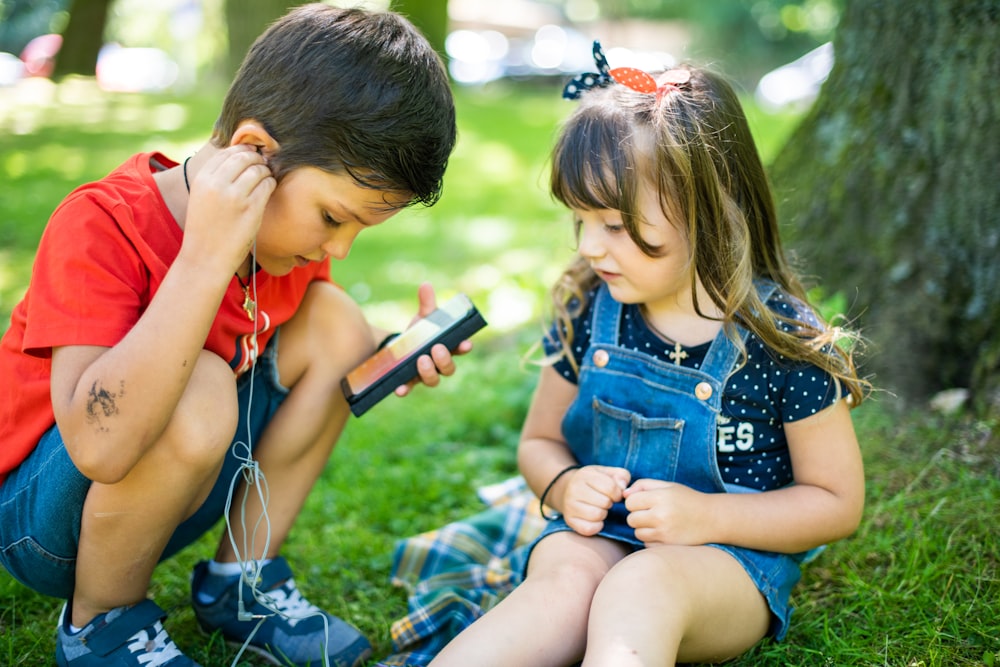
(457, 573)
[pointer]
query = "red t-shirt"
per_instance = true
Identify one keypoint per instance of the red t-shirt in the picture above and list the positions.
(101, 259)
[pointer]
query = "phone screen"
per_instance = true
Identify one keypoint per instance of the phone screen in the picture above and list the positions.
(408, 343)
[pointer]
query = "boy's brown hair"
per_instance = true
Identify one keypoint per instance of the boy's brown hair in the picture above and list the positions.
(348, 90)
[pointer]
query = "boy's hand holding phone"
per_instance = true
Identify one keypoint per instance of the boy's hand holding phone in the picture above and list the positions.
(437, 332)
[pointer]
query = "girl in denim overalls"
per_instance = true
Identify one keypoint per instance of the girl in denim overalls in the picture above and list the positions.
(691, 440)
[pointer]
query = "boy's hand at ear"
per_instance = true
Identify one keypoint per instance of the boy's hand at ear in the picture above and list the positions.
(226, 206)
(440, 361)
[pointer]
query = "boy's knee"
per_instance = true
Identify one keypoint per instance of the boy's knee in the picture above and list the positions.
(205, 420)
(331, 309)
(329, 333)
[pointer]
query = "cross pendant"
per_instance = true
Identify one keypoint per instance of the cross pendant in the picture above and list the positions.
(249, 305)
(678, 354)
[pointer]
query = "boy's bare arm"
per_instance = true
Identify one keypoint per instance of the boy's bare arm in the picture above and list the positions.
(111, 404)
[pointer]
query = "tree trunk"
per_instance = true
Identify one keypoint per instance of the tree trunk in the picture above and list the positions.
(245, 21)
(82, 38)
(890, 190)
(429, 16)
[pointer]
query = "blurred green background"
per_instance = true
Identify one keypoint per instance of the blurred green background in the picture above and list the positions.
(750, 37)
(495, 233)
(916, 586)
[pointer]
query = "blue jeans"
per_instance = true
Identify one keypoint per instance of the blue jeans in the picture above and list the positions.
(41, 501)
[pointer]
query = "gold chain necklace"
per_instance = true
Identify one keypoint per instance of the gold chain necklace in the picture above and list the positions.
(249, 305)
(678, 354)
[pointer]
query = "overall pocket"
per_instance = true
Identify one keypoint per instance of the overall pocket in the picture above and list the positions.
(646, 446)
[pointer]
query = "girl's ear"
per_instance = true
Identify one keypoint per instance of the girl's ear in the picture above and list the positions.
(253, 133)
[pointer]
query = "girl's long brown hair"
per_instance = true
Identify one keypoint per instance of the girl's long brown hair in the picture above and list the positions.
(693, 144)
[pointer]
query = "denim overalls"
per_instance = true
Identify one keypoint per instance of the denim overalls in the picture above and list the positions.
(658, 420)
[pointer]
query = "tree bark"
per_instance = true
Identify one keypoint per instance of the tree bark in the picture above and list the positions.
(889, 189)
(82, 38)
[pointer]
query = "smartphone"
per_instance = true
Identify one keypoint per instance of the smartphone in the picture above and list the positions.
(396, 363)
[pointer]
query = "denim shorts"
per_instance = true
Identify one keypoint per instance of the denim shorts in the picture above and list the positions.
(41, 501)
(774, 574)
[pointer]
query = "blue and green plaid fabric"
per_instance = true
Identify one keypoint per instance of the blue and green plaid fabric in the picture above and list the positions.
(457, 573)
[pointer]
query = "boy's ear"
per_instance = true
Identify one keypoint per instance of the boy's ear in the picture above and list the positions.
(253, 133)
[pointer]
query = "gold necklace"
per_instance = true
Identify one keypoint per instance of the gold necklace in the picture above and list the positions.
(677, 355)
(249, 304)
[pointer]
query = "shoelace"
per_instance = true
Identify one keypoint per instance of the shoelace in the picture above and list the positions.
(289, 602)
(154, 646)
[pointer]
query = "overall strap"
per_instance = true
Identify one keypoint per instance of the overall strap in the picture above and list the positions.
(722, 355)
(765, 289)
(607, 317)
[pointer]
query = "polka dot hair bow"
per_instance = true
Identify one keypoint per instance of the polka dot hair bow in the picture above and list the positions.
(630, 77)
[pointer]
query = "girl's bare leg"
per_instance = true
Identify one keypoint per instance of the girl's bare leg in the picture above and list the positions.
(544, 620)
(669, 603)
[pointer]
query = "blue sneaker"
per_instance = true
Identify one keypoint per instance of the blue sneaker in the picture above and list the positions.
(123, 636)
(293, 631)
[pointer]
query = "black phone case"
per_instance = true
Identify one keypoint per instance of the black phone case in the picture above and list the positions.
(406, 369)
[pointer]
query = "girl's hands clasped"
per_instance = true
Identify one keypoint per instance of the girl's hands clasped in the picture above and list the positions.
(666, 513)
(587, 495)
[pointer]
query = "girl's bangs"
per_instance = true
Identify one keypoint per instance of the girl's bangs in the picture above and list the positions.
(590, 164)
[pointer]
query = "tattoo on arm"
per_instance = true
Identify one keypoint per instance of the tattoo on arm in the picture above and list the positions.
(101, 402)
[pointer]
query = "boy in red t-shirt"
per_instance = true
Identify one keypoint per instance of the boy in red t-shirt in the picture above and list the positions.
(181, 334)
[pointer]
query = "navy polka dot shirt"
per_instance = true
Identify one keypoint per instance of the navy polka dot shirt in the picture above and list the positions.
(759, 398)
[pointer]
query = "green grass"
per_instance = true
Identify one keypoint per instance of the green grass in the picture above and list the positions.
(917, 586)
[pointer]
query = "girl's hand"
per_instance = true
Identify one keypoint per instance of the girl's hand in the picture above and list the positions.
(226, 206)
(587, 495)
(430, 367)
(666, 513)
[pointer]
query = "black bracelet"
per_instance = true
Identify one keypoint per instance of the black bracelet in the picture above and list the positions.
(388, 339)
(541, 501)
